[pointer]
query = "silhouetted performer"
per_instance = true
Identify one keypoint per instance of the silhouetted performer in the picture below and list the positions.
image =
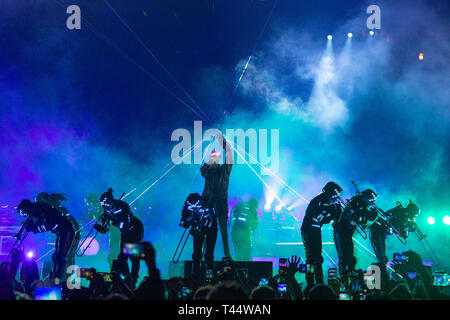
(202, 220)
(41, 217)
(215, 192)
(400, 218)
(321, 210)
(54, 200)
(244, 220)
(131, 228)
(358, 211)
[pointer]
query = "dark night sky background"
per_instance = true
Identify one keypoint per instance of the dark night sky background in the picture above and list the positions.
(76, 116)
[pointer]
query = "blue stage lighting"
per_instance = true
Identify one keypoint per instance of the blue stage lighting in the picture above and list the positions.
(446, 220)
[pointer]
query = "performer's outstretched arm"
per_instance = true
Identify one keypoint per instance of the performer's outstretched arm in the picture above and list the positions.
(229, 154)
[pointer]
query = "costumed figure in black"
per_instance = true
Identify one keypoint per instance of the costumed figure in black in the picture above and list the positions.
(202, 221)
(41, 217)
(321, 210)
(244, 220)
(94, 211)
(131, 229)
(215, 192)
(358, 211)
(398, 221)
(54, 200)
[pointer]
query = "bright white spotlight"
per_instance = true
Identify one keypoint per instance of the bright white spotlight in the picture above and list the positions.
(446, 220)
(371, 32)
(349, 34)
(330, 37)
(267, 206)
(278, 208)
(30, 254)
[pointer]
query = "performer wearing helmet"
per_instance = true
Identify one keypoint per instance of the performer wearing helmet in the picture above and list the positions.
(244, 220)
(54, 200)
(41, 217)
(215, 192)
(321, 210)
(399, 219)
(358, 211)
(131, 229)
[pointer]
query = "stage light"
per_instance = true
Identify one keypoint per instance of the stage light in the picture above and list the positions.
(431, 220)
(349, 34)
(446, 220)
(278, 208)
(371, 32)
(267, 209)
(330, 37)
(30, 254)
(420, 56)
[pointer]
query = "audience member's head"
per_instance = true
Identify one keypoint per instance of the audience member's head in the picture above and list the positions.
(202, 292)
(377, 295)
(321, 292)
(115, 296)
(263, 293)
(78, 294)
(227, 290)
(307, 289)
(400, 292)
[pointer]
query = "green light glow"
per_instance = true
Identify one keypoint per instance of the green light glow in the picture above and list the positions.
(446, 220)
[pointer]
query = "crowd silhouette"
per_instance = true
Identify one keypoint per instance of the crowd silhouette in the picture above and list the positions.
(20, 280)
